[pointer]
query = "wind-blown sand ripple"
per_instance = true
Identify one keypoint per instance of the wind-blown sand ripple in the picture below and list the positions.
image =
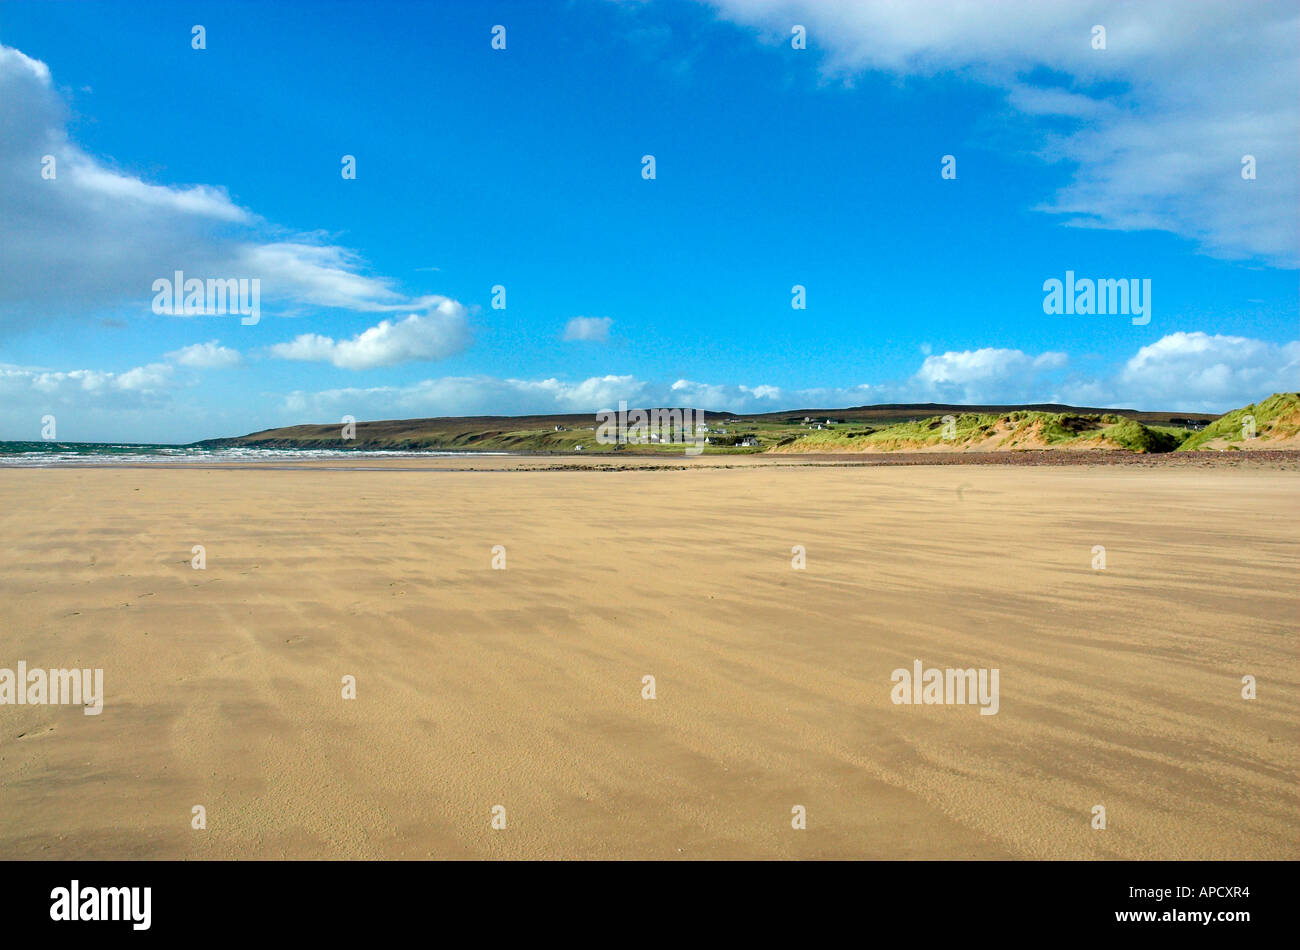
(522, 687)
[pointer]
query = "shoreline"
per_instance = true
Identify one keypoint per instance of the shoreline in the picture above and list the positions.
(1282, 459)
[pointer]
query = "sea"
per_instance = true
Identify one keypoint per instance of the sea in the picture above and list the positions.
(64, 454)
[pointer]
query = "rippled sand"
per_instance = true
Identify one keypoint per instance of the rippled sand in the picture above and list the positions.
(523, 687)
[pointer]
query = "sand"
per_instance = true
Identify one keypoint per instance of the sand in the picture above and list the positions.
(523, 687)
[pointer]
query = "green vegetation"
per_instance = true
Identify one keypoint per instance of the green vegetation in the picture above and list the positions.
(1277, 417)
(878, 428)
(1019, 429)
(1136, 437)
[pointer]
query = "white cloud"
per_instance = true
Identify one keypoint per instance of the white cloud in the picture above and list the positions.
(97, 182)
(691, 394)
(145, 379)
(33, 387)
(1162, 116)
(1188, 371)
(1207, 373)
(985, 375)
(322, 276)
(94, 237)
(469, 395)
(603, 391)
(141, 404)
(210, 355)
(442, 332)
(595, 329)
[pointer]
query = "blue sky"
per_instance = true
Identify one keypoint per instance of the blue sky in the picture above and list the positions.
(522, 167)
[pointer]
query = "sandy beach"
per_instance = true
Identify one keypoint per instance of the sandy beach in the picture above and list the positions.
(523, 687)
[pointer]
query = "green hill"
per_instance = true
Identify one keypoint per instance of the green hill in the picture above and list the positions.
(987, 432)
(1277, 422)
(891, 428)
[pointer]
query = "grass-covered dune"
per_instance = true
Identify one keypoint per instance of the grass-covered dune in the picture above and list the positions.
(1276, 426)
(988, 432)
(892, 428)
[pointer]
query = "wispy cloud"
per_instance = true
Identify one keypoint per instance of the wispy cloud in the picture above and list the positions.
(1161, 117)
(65, 253)
(592, 329)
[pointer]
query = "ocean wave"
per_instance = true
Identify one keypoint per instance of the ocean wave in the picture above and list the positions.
(36, 455)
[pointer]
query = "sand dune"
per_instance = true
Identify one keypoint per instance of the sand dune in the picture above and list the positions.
(523, 687)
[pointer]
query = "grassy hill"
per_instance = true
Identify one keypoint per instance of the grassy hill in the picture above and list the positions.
(455, 433)
(891, 413)
(987, 432)
(888, 428)
(1277, 425)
